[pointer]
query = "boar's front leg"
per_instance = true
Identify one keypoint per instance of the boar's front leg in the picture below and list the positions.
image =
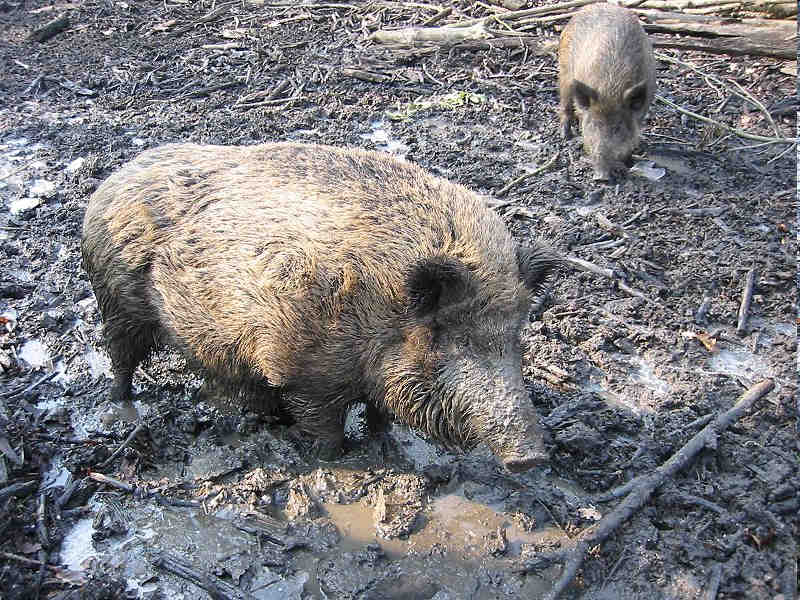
(320, 417)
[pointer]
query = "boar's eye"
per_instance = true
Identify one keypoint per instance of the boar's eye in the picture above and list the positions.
(536, 265)
(636, 96)
(435, 282)
(583, 94)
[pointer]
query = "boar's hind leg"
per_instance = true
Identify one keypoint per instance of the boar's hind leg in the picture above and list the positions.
(130, 339)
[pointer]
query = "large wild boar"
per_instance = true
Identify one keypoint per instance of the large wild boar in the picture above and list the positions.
(607, 77)
(337, 276)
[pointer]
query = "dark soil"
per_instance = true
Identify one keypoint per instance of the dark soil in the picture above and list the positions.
(621, 368)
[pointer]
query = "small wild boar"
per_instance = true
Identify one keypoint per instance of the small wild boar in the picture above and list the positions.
(606, 76)
(335, 276)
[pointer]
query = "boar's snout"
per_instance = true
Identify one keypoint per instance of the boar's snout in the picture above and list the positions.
(513, 433)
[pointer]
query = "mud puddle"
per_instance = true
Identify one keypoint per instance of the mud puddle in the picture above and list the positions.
(461, 536)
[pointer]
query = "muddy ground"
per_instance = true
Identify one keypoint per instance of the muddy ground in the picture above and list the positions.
(622, 369)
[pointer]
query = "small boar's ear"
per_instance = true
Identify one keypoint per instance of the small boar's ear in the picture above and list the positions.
(537, 264)
(435, 282)
(583, 94)
(635, 96)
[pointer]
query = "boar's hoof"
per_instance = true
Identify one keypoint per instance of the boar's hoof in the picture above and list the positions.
(518, 464)
(602, 175)
(314, 446)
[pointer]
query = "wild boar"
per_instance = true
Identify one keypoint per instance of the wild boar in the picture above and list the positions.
(607, 78)
(334, 276)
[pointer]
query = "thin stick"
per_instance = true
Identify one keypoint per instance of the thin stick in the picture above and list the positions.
(585, 265)
(502, 191)
(120, 485)
(734, 130)
(744, 95)
(122, 446)
(529, 12)
(438, 16)
(747, 298)
(647, 484)
(18, 169)
(713, 584)
(35, 384)
(217, 588)
(27, 561)
(41, 525)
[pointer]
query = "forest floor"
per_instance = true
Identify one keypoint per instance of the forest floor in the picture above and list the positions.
(621, 366)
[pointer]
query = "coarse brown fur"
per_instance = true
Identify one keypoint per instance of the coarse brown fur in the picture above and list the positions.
(606, 78)
(335, 275)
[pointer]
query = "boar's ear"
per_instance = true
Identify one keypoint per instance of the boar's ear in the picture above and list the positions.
(435, 282)
(583, 94)
(635, 96)
(537, 264)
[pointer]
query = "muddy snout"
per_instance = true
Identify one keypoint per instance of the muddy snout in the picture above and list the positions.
(519, 443)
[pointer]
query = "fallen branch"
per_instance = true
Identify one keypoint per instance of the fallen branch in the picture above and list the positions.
(143, 492)
(514, 182)
(122, 446)
(207, 18)
(734, 130)
(445, 36)
(739, 91)
(27, 561)
(21, 392)
(50, 29)
(362, 75)
(585, 265)
(774, 8)
(733, 46)
(115, 483)
(217, 588)
(644, 488)
(747, 297)
(759, 37)
(18, 489)
(516, 15)
(438, 16)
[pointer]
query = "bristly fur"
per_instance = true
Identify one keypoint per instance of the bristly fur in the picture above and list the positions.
(607, 79)
(335, 275)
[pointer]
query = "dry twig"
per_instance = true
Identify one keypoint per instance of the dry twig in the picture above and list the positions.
(123, 445)
(747, 297)
(644, 488)
(739, 91)
(514, 182)
(734, 130)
